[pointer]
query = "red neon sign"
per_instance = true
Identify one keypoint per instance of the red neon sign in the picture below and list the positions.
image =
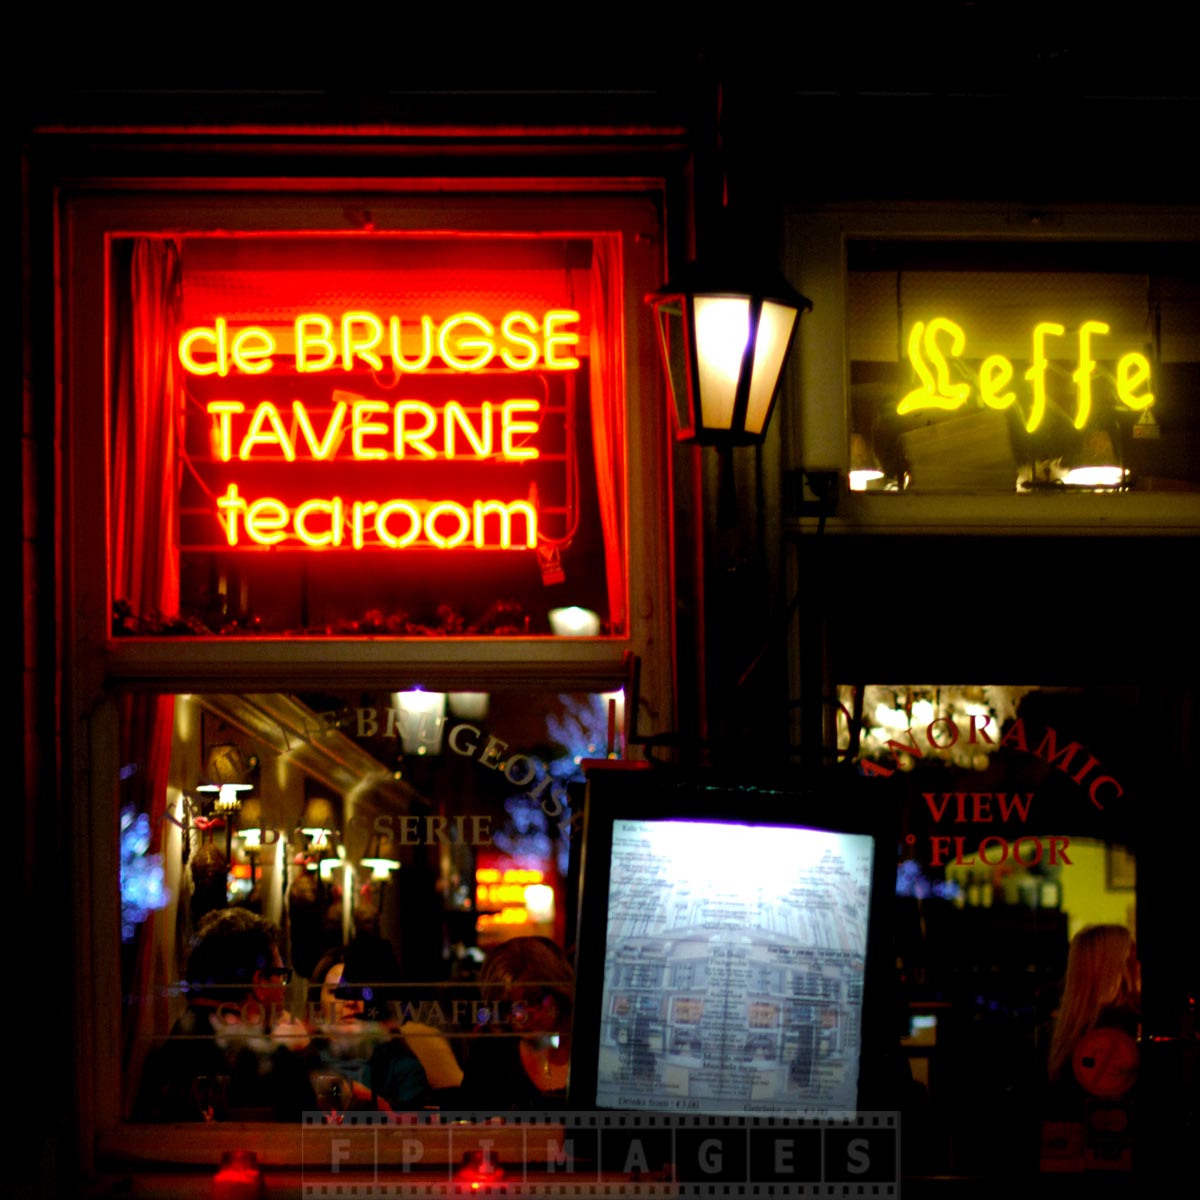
(366, 430)
(465, 341)
(405, 430)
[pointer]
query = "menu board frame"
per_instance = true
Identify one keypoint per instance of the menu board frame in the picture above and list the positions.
(836, 804)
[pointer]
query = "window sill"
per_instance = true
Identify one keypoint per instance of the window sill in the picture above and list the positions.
(266, 664)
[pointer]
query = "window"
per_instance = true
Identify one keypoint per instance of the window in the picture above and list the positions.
(1020, 823)
(390, 841)
(405, 435)
(326, 487)
(1023, 367)
(1024, 364)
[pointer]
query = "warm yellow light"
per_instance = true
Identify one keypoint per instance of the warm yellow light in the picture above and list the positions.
(522, 875)
(506, 893)
(227, 800)
(1132, 371)
(422, 720)
(775, 324)
(380, 868)
(574, 622)
(1096, 477)
(722, 330)
(539, 903)
(1087, 366)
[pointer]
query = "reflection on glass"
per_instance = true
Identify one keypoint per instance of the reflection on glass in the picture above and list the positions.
(412, 867)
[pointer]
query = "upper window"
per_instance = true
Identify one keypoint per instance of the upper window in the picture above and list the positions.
(408, 434)
(1044, 368)
(1020, 367)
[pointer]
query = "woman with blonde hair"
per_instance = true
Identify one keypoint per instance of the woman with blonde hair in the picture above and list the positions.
(1102, 988)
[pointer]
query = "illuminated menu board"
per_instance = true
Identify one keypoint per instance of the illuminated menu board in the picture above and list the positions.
(734, 964)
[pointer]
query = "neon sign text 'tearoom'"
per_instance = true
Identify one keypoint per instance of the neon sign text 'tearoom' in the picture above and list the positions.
(931, 345)
(393, 524)
(464, 341)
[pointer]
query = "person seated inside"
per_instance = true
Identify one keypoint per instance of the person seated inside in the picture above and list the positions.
(362, 1063)
(235, 1052)
(1101, 991)
(522, 1059)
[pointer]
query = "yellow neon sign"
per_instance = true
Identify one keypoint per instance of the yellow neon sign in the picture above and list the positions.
(933, 344)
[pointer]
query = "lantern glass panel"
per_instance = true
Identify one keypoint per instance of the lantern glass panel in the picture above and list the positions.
(671, 332)
(722, 330)
(775, 326)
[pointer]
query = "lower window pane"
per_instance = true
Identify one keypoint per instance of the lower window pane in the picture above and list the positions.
(349, 901)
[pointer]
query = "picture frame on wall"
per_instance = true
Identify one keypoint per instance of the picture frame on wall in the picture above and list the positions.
(1120, 869)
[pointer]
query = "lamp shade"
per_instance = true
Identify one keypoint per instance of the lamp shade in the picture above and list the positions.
(381, 857)
(251, 822)
(864, 466)
(725, 328)
(422, 720)
(319, 818)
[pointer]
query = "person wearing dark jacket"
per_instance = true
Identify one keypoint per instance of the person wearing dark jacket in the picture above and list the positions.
(234, 1052)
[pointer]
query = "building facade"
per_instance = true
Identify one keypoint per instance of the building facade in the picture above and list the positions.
(334, 402)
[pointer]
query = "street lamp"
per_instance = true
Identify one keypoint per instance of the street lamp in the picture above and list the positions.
(725, 327)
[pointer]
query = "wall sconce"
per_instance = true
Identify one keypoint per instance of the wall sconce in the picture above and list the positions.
(864, 466)
(422, 720)
(574, 622)
(227, 775)
(227, 795)
(319, 820)
(251, 823)
(331, 860)
(725, 328)
(381, 857)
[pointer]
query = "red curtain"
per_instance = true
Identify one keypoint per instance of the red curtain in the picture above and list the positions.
(147, 400)
(607, 381)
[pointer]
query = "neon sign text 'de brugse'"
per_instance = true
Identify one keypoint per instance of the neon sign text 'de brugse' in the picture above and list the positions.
(932, 343)
(465, 341)
(367, 430)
